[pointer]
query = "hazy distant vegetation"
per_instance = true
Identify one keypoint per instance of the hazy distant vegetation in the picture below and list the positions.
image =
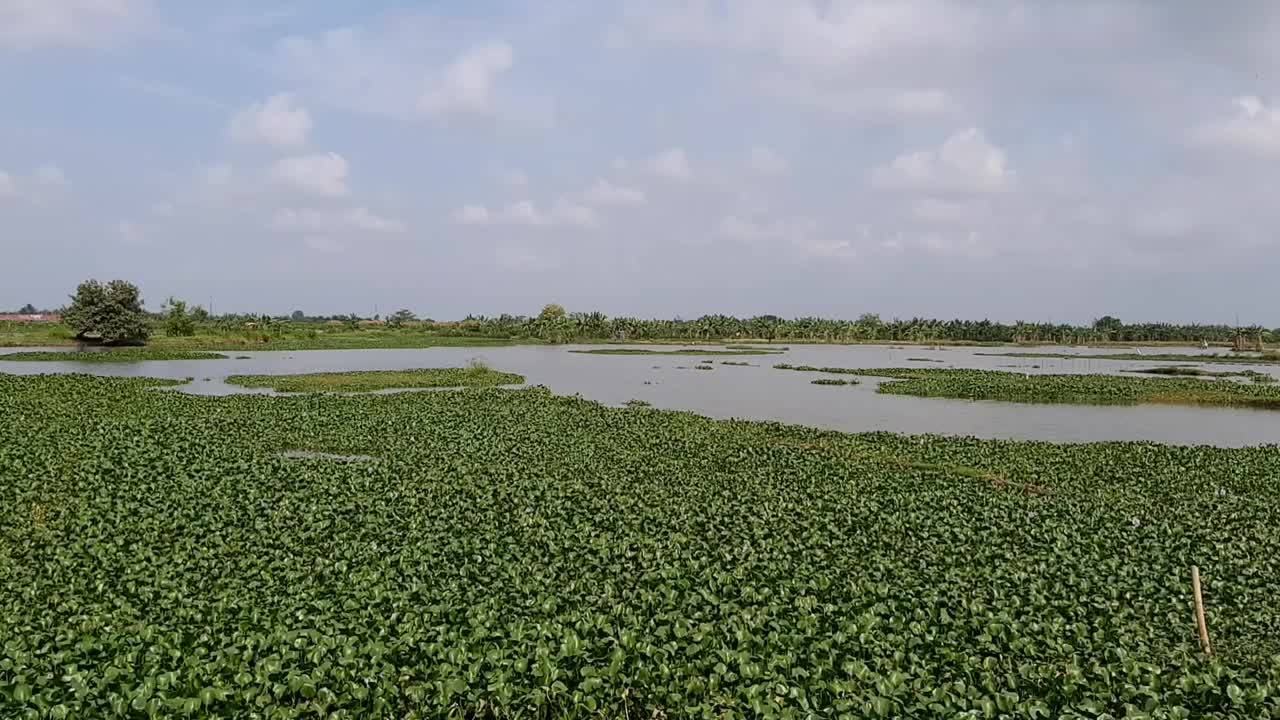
(183, 325)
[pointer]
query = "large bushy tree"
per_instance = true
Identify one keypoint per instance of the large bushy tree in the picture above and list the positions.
(110, 313)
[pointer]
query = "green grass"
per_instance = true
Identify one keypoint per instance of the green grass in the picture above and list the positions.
(114, 355)
(833, 381)
(371, 380)
(1073, 389)
(811, 368)
(1268, 358)
(686, 351)
(757, 346)
(733, 363)
(1182, 371)
(25, 334)
(514, 553)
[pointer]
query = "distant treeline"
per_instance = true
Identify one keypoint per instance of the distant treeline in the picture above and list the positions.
(556, 325)
(596, 326)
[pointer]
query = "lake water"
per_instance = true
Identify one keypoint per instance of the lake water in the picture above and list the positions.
(762, 393)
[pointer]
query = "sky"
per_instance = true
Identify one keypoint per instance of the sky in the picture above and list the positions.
(1037, 160)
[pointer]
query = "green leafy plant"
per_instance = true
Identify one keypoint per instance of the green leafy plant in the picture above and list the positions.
(511, 553)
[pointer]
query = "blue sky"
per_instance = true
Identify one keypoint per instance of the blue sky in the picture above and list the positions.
(1015, 160)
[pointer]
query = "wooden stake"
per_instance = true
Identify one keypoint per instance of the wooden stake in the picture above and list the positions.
(1200, 621)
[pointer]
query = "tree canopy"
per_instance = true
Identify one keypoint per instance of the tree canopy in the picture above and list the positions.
(552, 311)
(110, 313)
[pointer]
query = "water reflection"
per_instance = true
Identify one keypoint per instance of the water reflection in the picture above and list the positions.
(758, 392)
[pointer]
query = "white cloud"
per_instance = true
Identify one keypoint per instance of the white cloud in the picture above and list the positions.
(170, 91)
(30, 24)
(7, 185)
(672, 163)
(833, 96)
(1254, 129)
(358, 219)
(50, 175)
(965, 163)
(323, 174)
(797, 236)
(832, 36)
(735, 227)
(278, 121)
(218, 175)
(950, 211)
(472, 215)
(514, 178)
(517, 259)
(606, 193)
(466, 85)
(130, 234)
(322, 244)
(565, 213)
(767, 161)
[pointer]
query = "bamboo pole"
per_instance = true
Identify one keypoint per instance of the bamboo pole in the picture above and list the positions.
(1201, 623)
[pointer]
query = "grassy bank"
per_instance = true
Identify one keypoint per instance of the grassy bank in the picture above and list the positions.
(1268, 358)
(1073, 389)
(514, 553)
(370, 380)
(113, 355)
(1181, 371)
(686, 351)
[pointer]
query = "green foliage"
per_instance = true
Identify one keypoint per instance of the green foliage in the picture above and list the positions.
(829, 370)
(834, 381)
(478, 375)
(1078, 389)
(551, 311)
(1183, 371)
(111, 313)
(1266, 358)
(400, 318)
(686, 351)
(518, 554)
(113, 355)
(177, 321)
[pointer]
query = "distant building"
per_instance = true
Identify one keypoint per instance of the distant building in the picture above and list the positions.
(36, 318)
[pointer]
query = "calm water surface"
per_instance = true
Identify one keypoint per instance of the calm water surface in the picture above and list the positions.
(762, 393)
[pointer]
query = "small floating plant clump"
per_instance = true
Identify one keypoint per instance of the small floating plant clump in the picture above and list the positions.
(834, 381)
(1185, 371)
(734, 363)
(112, 355)
(373, 380)
(811, 368)
(684, 351)
(704, 367)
